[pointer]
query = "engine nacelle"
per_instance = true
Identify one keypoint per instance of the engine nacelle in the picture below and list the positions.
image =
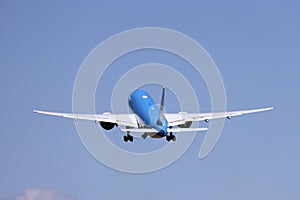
(186, 125)
(107, 125)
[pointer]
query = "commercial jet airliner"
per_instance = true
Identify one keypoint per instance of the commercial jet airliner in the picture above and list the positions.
(149, 118)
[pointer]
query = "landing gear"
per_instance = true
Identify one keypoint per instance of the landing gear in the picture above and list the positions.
(171, 137)
(128, 138)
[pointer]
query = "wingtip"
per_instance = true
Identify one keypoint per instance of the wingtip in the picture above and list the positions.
(266, 109)
(36, 111)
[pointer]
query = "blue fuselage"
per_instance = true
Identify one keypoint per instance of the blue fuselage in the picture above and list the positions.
(143, 105)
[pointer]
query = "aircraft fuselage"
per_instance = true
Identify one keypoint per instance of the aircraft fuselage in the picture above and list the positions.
(141, 103)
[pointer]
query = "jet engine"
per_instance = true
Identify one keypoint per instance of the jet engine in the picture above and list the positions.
(107, 125)
(186, 124)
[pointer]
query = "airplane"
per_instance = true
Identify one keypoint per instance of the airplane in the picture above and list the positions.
(149, 118)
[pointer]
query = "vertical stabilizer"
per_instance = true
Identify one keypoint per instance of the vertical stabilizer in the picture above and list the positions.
(162, 105)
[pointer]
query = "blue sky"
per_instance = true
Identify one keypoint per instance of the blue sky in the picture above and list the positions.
(255, 45)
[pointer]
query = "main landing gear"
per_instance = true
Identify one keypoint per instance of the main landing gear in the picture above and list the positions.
(128, 138)
(171, 137)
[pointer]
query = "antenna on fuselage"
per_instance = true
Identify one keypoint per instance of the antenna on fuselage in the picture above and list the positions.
(162, 105)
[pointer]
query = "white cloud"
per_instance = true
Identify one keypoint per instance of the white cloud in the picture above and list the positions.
(43, 194)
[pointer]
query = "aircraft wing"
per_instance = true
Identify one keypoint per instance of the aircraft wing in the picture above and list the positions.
(183, 117)
(131, 120)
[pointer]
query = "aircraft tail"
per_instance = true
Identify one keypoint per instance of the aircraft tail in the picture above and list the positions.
(162, 105)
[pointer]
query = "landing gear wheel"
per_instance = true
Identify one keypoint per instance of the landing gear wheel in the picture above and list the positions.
(173, 138)
(168, 138)
(128, 138)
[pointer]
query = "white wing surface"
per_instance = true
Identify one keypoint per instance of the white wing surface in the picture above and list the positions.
(183, 117)
(121, 119)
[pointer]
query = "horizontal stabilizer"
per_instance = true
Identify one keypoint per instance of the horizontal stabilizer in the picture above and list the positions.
(177, 130)
(139, 130)
(173, 130)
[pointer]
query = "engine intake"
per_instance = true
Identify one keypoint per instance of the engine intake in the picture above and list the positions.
(107, 125)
